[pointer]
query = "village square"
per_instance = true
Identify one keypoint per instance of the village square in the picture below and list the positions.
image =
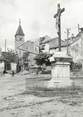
(43, 77)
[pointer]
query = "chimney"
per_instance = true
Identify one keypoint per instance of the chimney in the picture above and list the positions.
(72, 36)
(78, 28)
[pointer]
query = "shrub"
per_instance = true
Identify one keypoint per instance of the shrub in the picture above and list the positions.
(42, 58)
(75, 66)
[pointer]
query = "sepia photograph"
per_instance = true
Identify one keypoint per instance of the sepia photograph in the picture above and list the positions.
(41, 58)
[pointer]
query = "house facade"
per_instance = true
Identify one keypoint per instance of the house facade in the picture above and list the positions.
(32, 49)
(73, 46)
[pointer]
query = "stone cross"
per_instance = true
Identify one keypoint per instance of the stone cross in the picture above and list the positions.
(58, 23)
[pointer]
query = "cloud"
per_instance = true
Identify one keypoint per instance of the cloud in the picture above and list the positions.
(11, 2)
(37, 17)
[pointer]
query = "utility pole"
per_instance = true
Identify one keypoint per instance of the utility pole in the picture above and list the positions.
(5, 45)
(5, 63)
(78, 28)
(68, 40)
(58, 23)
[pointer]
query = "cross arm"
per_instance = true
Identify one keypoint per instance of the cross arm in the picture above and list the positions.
(62, 10)
(55, 15)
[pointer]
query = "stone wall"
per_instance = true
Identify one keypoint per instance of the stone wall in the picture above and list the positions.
(75, 50)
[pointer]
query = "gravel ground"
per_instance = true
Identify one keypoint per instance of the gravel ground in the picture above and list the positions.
(18, 101)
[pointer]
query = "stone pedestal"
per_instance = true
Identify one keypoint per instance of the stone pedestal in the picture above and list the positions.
(60, 70)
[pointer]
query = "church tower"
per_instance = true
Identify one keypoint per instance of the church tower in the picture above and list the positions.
(19, 39)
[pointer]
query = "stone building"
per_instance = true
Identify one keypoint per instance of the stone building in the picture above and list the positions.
(22, 47)
(32, 49)
(74, 45)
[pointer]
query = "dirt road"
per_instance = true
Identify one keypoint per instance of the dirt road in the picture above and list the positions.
(15, 101)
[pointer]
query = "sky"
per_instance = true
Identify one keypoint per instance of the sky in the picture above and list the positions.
(37, 18)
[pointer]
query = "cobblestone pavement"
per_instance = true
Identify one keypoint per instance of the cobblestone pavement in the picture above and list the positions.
(15, 102)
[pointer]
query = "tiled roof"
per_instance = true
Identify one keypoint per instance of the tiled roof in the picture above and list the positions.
(29, 46)
(45, 39)
(19, 31)
(73, 39)
(53, 42)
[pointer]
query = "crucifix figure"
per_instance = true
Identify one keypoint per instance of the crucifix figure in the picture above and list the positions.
(58, 23)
